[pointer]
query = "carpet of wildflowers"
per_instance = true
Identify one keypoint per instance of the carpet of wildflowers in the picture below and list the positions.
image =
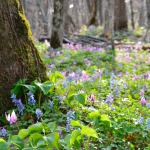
(86, 104)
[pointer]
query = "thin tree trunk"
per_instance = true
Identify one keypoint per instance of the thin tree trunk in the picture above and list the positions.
(58, 20)
(148, 18)
(132, 14)
(18, 56)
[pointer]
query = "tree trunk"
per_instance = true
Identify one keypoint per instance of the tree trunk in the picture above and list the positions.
(106, 30)
(100, 10)
(58, 19)
(120, 16)
(148, 13)
(18, 56)
(93, 11)
(141, 14)
(69, 25)
(132, 14)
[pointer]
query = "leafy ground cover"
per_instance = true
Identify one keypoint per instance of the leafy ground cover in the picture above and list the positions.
(85, 104)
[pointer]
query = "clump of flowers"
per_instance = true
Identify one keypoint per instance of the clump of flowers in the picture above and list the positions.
(109, 99)
(3, 132)
(38, 113)
(18, 103)
(31, 99)
(70, 116)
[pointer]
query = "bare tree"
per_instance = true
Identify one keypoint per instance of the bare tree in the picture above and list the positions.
(120, 16)
(18, 56)
(58, 20)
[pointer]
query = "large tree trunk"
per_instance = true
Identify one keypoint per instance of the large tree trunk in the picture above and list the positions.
(18, 56)
(58, 19)
(120, 16)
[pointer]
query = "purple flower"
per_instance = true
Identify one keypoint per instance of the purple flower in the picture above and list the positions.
(3, 132)
(109, 99)
(19, 105)
(92, 98)
(13, 96)
(140, 120)
(39, 113)
(143, 101)
(142, 93)
(51, 104)
(31, 99)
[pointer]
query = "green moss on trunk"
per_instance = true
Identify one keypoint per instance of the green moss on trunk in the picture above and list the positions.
(18, 56)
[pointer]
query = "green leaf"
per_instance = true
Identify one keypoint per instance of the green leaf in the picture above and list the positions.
(88, 131)
(36, 139)
(52, 126)
(52, 139)
(31, 88)
(38, 127)
(44, 87)
(17, 141)
(94, 115)
(75, 123)
(80, 98)
(74, 136)
(105, 119)
(53, 76)
(23, 133)
(67, 139)
(4, 145)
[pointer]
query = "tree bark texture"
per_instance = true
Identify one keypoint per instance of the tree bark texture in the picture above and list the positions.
(132, 14)
(148, 13)
(120, 16)
(18, 56)
(58, 19)
(93, 11)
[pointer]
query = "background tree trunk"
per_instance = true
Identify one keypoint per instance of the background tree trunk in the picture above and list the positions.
(93, 11)
(120, 16)
(132, 14)
(18, 56)
(58, 19)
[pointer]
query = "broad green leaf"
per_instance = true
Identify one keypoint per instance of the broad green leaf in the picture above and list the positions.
(53, 76)
(52, 139)
(105, 119)
(74, 136)
(67, 139)
(36, 139)
(4, 146)
(31, 88)
(23, 133)
(52, 126)
(17, 141)
(80, 98)
(75, 123)
(38, 127)
(94, 114)
(44, 87)
(88, 131)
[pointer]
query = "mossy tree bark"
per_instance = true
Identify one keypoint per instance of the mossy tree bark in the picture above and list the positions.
(18, 56)
(58, 21)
